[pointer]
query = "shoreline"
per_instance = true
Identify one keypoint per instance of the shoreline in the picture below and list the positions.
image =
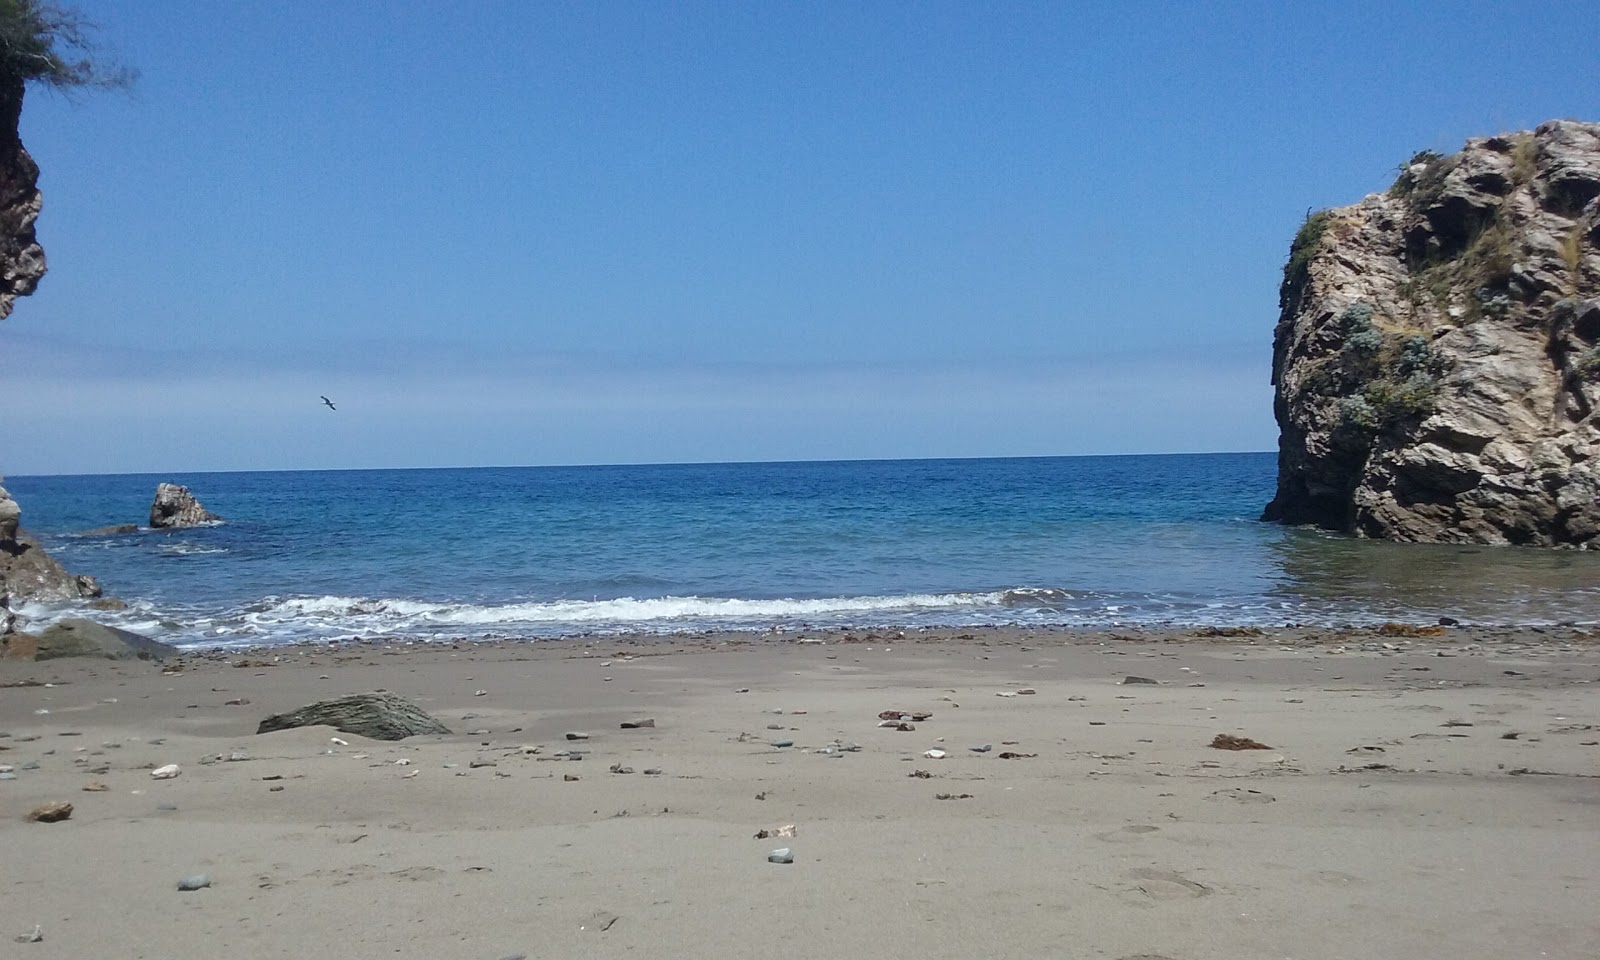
(1431, 798)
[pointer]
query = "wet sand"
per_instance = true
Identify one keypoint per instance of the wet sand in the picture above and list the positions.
(1421, 797)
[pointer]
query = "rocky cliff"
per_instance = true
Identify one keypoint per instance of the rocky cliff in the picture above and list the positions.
(1437, 355)
(21, 257)
(25, 570)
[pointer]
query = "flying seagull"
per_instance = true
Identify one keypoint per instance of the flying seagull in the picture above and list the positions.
(329, 403)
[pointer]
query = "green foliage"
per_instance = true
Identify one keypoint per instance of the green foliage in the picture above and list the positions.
(1357, 414)
(1398, 402)
(1304, 247)
(1524, 159)
(1406, 182)
(1356, 318)
(1492, 302)
(44, 43)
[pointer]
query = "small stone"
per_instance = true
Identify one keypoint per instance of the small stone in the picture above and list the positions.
(652, 771)
(576, 735)
(982, 748)
(638, 724)
(1026, 692)
(95, 788)
(781, 855)
(198, 881)
(8, 775)
(934, 754)
(166, 773)
(1130, 679)
(475, 764)
(275, 789)
(37, 936)
(619, 768)
(51, 812)
(570, 777)
(782, 743)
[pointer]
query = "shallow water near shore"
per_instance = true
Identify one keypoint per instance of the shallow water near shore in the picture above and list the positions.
(560, 551)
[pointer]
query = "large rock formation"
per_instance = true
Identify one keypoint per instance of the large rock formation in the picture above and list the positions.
(21, 257)
(174, 506)
(1437, 357)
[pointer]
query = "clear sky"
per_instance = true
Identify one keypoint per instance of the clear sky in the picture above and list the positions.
(529, 232)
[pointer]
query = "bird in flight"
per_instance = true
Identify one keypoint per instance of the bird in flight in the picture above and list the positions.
(329, 403)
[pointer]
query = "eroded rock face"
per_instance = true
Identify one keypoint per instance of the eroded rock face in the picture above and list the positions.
(21, 258)
(175, 506)
(1437, 357)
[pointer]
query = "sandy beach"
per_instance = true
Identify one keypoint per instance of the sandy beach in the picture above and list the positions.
(1421, 797)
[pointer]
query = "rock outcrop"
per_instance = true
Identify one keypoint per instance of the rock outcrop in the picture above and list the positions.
(21, 258)
(1437, 356)
(377, 716)
(175, 506)
(27, 572)
(85, 638)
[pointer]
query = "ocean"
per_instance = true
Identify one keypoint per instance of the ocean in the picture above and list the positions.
(545, 552)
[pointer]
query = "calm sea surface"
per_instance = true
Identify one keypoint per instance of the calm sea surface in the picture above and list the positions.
(559, 551)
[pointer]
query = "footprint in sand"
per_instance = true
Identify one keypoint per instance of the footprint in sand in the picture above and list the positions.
(1167, 885)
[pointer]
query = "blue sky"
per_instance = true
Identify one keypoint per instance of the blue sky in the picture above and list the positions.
(527, 233)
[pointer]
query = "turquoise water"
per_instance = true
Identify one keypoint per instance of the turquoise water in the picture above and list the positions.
(561, 551)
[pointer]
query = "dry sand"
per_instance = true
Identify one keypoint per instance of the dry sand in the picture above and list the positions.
(1436, 799)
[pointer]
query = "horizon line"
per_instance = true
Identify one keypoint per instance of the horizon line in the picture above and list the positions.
(642, 463)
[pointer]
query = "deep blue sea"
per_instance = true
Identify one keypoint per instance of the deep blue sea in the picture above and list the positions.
(561, 551)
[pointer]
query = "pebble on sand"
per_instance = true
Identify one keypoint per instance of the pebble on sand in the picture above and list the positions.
(198, 881)
(781, 855)
(51, 812)
(638, 724)
(165, 773)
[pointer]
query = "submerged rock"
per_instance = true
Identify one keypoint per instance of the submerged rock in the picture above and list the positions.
(1437, 354)
(377, 716)
(174, 506)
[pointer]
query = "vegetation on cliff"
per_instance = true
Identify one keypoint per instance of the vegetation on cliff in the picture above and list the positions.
(52, 45)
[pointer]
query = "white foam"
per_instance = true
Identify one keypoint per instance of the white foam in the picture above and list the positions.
(401, 613)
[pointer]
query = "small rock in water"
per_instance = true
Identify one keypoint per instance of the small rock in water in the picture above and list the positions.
(198, 881)
(781, 855)
(165, 773)
(638, 724)
(51, 812)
